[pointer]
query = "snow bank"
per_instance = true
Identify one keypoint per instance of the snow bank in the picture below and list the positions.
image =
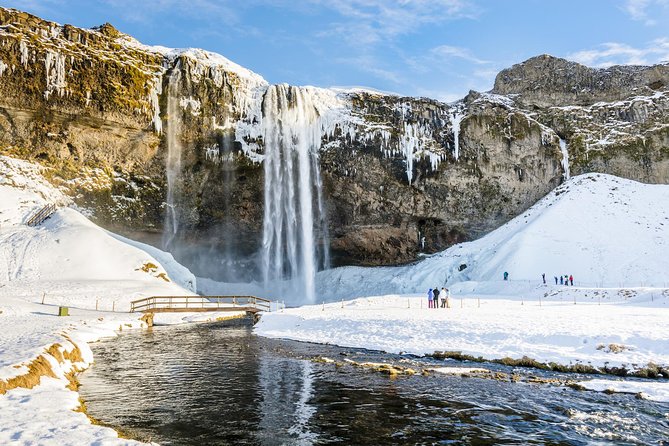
(618, 332)
(175, 270)
(655, 391)
(72, 260)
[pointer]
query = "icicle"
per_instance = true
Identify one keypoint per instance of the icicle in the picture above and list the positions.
(54, 65)
(25, 55)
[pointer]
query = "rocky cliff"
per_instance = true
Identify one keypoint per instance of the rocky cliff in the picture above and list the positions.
(399, 176)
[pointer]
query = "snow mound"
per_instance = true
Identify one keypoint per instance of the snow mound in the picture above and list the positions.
(604, 230)
(655, 391)
(70, 258)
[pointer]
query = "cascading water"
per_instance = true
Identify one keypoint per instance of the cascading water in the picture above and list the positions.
(457, 120)
(323, 249)
(292, 137)
(565, 158)
(173, 164)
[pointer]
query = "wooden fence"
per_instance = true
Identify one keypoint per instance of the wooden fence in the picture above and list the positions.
(41, 215)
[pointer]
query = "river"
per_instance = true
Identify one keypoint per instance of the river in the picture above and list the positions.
(218, 384)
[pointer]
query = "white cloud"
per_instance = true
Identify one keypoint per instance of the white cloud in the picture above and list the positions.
(367, 22)
(369, 64)
(613, 53)
(146, 11)
(442, 58)
(447, 52)
(639, 9)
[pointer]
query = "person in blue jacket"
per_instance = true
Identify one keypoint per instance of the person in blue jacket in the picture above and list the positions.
(429, 298)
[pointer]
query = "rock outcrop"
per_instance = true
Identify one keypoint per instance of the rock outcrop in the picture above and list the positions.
(547, 81)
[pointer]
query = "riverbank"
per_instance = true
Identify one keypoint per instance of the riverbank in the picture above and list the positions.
(606, 330)
(40, 356)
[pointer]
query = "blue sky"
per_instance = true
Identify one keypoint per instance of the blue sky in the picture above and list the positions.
(434, 48)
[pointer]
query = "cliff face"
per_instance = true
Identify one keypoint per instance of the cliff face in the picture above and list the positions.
(399, 175)
(614, 120)
(547, 81)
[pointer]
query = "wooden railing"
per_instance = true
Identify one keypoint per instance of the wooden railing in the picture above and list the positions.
(41, 215)
(165, 304)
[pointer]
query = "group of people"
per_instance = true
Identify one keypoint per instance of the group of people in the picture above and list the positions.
(567, 279)
(433, 297)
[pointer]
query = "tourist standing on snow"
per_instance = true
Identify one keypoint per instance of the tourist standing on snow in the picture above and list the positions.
(444, 297)
(543, 277)
(566, 280)
(506, 275)
(561, 280)
(429, 298)
(435, 302)
(555, 280)
(448, 298)
(571, 279)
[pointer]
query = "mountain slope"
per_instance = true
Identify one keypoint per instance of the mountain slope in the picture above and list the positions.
(603, 230)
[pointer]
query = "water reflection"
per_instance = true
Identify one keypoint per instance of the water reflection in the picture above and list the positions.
(214, 385)
(287, 390)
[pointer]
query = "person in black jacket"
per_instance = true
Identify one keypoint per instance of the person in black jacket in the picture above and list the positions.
(435, 293)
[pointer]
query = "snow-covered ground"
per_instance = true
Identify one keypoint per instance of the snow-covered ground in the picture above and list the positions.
(611, 234)
(66, 261)
(494, 327)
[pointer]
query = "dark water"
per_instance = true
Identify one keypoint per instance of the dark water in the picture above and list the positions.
(219, 385)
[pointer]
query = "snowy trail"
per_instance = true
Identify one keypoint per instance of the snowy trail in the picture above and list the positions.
(15, 247)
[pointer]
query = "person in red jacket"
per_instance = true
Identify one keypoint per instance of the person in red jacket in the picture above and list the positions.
(571, 279)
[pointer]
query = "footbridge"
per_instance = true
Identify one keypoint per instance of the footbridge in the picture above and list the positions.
(175, 304)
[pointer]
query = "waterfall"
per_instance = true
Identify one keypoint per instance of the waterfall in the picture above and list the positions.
(173, 162)
(565, 158)
(457, 119)
(323, 253)
(291, 131)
